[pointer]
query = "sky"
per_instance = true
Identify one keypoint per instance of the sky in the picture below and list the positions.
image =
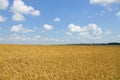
(59, 21)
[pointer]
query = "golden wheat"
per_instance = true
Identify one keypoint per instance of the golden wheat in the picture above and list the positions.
(22, 62)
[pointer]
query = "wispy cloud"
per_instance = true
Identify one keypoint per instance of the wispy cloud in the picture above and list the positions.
(69, 33)
(118, 14)
(57, 19)
(108, 32)
(104, 2)
(20, 28)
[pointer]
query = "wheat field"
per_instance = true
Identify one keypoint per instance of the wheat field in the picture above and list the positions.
(34, 62)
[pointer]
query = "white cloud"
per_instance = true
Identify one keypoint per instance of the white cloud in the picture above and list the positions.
(69, 33)
(102, 12)
(85, 35)
(3, 4)
(57, 19)
(2, 19)
(19, 8)
(35, 13)
(33, 39)
(36, 37)
(96, 31)
(17, 28)
(48, 27)
(104, 2)
(74, 28)
(118, 14)
(91, 30)
(17, 37)
(18, 17)
(20, 28)
(108, 32)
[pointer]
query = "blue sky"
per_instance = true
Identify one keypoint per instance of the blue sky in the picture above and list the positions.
(59, 21)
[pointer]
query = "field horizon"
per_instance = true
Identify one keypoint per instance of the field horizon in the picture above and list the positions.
(110, 43)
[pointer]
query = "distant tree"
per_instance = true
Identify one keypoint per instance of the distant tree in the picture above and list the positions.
(114, 43)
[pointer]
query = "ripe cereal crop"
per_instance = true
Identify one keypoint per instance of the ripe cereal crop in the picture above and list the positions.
(34, 62)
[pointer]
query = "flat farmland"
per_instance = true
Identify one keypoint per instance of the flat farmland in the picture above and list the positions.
(34, 62)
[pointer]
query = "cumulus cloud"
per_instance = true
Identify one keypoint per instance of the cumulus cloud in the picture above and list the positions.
(118, 14)
(104, 2)
(3, 4)
(74, 28)
(91, 30)
(57, 19)
(19, 8)
(20, 28)
(48, 27)
(2, 19)
(85, 35)
(18, 17)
